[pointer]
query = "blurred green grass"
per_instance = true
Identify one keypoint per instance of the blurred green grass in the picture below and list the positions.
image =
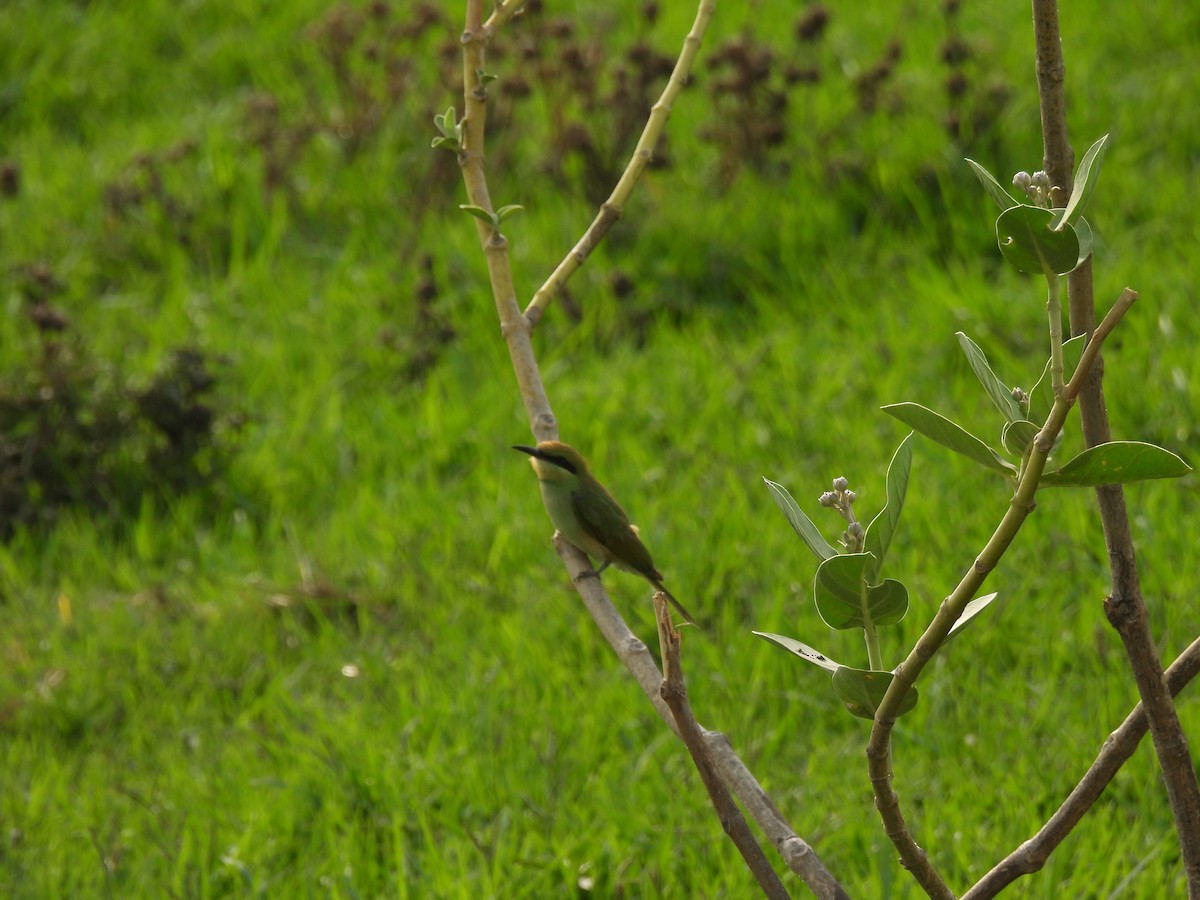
(362, 673)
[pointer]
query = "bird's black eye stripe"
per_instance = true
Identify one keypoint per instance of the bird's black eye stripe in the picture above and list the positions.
(562, 462)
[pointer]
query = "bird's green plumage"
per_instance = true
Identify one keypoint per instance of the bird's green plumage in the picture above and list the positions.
(595, 507)
(588, 516)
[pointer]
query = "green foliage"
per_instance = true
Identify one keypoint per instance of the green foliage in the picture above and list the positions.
(451, 132)
(803, 525)
(1117, 462)
(358, 669)
(1029, 242)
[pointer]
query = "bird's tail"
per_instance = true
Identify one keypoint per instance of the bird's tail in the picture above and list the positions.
(687, 617)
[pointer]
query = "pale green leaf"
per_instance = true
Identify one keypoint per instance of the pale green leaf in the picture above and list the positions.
(883, 527)
(1017, 436)
(1001, 197)
(1000, 395)
(805, 652)
(970, 611)
(801, 523)
(1117, 462)
(1086, 177)
(950, 435)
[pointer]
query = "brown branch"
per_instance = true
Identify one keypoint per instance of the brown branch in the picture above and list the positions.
(674, 692)
(1032, 855)
(516, 330)
(799, 855)
(1125, 606)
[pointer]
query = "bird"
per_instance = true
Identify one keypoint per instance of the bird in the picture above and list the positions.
(588, 516)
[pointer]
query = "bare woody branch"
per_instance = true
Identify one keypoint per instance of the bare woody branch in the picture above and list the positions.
(1032, 855)
(797, 853)
(674, 692)
(1125, 607)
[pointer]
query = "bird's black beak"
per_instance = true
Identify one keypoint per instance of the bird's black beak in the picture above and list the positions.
(532, 451)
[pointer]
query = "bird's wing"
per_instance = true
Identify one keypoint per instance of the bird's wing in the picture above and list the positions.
(594, 507)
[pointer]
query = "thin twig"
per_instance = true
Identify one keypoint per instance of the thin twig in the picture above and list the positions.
(1032, 855)
(912, 857)
(674, 692)
(612, 208)
(1125, 608)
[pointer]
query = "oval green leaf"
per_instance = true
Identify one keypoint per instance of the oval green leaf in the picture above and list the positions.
(1027, 241)
(1117, 462)
(845, 600)
(862, 690)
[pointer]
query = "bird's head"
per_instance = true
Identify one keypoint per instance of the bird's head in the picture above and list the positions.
(554, 460)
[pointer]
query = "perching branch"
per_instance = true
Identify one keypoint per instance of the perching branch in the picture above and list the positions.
(612, 208)
(1125, 607)
(797, 853)
(674, 692)
(516, 330)
(912, 857)
(1032, 855)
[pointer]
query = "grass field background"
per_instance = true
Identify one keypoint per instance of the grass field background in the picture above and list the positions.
(348, 664)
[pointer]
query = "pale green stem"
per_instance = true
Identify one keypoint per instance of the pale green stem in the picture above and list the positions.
(874, 657)
(1054, 314)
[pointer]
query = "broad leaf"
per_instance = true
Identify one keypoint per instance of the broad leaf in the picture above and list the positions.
(950, 435)
(1017, 436)
(1117, 462)
(845, 600)
(805, 652)
(1027, 242)
(998, 194)
(1086, 177)
(862, 690)
(883, 527)
(801, 523)
(1000, 395)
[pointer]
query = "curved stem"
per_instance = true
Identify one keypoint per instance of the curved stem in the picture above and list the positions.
(912, 857)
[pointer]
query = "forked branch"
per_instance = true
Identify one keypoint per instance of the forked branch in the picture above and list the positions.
(516, 329)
